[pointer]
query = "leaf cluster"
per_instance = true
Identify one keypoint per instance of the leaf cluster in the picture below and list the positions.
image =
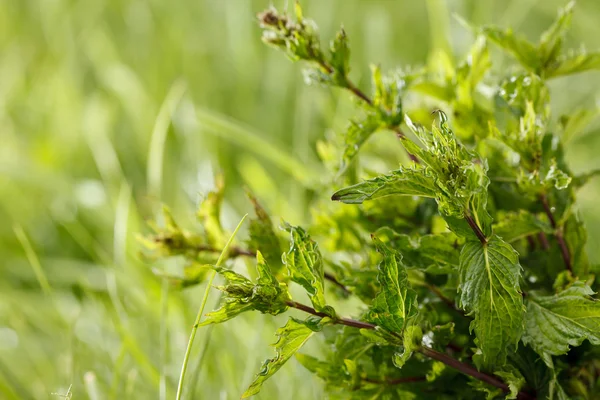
(469, 260)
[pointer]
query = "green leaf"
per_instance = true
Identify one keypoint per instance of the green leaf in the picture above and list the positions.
(471, 72)
(404, 181)
(524, 51)
(435, 253)
(227, 311)
(556, 178)
(489, 275)
(305, 266)
(267, 296)
(437, 369)
(356, 135)
(442, 335)
(539, 374)
(553, 323)
(459, 175)
(576, 237)
(518, 225)
(513, 378)
(576, 122)
(380, 336)
(291, 338)
(209, 214)
(573, 63)
(412, 338)
(583, 179)
(551, 40)
(478, 62)
(396, 303)
(298, 39)
(340, 58)
(491, 392)
(517, 92)
(435, 90)
(387, 97)
(327, 371)
(263, 237)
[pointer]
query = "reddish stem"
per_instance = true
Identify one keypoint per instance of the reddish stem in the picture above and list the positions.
(558, 234)
(426, 351)
(331, 278)
(476, 229)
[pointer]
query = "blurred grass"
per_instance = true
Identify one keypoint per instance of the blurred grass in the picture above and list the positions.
(110, 107)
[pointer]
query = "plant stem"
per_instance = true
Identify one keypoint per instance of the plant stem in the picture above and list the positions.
(396, 381)
(476, 229)
(558, 233)
(334, 280)
(234, 251)
(435, 290)
(462, 367)
(361, 95)
(426, 351)
(342, 321)
(188, 350)
(358, 93)
(543, 241)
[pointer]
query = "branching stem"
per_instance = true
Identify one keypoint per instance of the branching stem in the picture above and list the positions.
(558, 233)
(234, 251)
(450, 303)
(342, 321)
(476, 229)
(396, 381)
(331, 278)
(361, 95)
(426, 351)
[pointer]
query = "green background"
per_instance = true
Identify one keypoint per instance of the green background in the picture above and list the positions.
(109, 108)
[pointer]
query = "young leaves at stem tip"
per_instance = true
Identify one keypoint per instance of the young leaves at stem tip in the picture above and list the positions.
(267, 296)
(546, 59)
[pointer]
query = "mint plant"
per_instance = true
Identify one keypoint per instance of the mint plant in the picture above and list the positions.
(469, 259)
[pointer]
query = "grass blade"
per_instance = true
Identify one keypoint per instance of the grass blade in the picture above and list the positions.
(186, 358)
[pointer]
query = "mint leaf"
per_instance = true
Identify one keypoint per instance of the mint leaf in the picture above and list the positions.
(388, 97)
(472, 71)
(524, 51)
(513, 378)
(340, 58)
(209, 213)
(411, 342)
(518, 225)
(324, 370)
(229, 310)
(305, 266)
(573, 63)
(356, 135)
(576, 237)
(396, 303)
(263, 237)
(574, 124)
(441, 335)
(267, 296)
(404, 181)
(489, 290)
(434, 253)
(291, 338)
(551, 40)
(553, 323)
